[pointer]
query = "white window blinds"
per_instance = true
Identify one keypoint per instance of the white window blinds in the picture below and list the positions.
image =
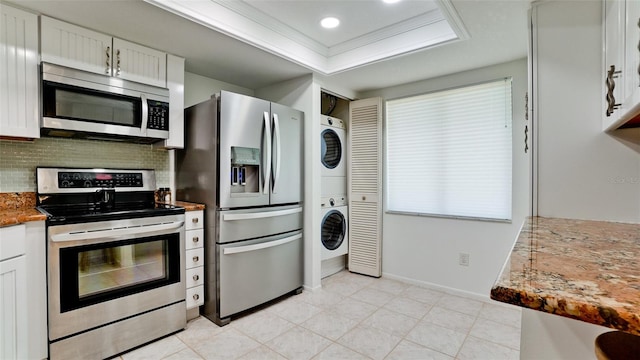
(449, 152)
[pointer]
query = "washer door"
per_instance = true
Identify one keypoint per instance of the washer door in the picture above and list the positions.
(334, 228)
(331, 149)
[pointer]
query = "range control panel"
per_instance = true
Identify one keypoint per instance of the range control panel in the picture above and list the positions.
(74, 180)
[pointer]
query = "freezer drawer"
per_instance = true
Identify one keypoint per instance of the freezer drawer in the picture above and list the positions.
(255, 271)
(234, 225)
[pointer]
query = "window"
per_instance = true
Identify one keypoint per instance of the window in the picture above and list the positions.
(449, 152)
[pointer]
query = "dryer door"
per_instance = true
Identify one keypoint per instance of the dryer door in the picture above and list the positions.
(332, 153)
(334, 228)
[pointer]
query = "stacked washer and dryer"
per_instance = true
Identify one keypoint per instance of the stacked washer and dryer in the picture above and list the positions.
(334, 215)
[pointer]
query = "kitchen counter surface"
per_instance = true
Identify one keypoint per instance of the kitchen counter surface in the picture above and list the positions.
(18, 208)
(585, 270)
(188, 206)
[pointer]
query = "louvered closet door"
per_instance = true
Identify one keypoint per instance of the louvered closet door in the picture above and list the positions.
(365, 187)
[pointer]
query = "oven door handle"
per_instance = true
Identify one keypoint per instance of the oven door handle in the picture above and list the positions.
(107, 233)
(264, 245)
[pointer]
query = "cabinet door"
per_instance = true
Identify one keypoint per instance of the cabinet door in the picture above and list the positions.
(139, 63)
(175, 84)
(19, 115)
(76, 47)
(365, 187)
(632, 56)
(613, 78)
(13, 310)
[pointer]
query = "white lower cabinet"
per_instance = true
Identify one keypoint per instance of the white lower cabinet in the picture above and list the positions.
(194, 259)
(23, 327)
(13, 307)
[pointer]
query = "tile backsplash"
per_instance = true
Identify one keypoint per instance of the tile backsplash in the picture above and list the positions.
(19, 159)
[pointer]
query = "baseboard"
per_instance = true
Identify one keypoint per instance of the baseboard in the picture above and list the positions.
(448, 290)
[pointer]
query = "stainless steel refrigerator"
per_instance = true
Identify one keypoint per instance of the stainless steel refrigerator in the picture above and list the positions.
(243, 159)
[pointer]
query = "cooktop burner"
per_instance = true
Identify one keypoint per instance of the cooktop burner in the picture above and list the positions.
(69, 196)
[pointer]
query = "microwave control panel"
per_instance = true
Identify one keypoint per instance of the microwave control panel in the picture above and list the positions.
(158, 115)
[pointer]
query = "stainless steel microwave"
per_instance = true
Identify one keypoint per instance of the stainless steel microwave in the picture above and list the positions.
(77, 103)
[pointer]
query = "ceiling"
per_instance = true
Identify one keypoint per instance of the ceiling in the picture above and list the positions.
(496, 31)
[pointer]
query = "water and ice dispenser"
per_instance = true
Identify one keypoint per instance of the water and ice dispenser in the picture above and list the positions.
(245, 170)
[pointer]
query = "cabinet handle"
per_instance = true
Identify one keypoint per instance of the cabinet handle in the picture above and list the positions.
(611, 85)
(118, 62)
(107, 70)
(196, 297)
(526, 106)
(195, 220)
(526, 138)
(196, 259)
(196, 277)
(639, 48)
(196, 239)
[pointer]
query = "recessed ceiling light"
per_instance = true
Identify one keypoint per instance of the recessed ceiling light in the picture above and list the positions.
(329, 22)
(391, 1)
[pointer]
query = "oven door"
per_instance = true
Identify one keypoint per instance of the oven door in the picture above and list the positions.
(102, 272)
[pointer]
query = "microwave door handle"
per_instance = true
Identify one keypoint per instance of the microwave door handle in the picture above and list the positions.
(266, 160)
(276, 140)
(145, 114)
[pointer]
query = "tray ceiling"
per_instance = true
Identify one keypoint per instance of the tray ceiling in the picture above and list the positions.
(370, 30)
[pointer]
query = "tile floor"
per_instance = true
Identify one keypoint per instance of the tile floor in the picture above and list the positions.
(354, 317)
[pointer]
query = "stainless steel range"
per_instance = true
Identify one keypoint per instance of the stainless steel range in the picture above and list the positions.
(115, 261)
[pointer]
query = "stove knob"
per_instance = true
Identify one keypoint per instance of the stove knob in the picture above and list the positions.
(65, 183)
(76, 176)
(87, 184)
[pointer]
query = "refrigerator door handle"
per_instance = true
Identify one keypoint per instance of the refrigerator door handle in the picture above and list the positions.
(266, 160)
(276, 137)
(260, 215)
(265, 245)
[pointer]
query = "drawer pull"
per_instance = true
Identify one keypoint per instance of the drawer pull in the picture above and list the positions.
(196, 259)
(196, 297)
(196, 277)
(196, 239)
(195, 220)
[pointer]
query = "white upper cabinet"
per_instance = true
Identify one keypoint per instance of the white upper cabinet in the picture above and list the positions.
(621, 77)
(19, 114)
(139, 63)
(75, 47)
(79, 48)
(175, 83)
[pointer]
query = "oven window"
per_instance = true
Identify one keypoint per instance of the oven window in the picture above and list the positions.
(95, 273)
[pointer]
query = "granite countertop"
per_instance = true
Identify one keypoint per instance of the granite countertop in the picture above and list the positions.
(585, 270)
(188, 206)
(18, 208)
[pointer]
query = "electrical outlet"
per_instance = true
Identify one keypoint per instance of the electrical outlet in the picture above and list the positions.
(463, 259)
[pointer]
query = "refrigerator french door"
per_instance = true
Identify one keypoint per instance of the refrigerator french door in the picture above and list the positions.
(260, 149)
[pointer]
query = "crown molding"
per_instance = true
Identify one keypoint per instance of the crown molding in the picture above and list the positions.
(241, 21)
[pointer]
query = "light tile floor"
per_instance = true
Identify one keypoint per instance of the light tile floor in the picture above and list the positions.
(354, 317)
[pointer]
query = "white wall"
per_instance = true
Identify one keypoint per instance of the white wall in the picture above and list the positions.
(199, 88)
(584, 173)
(303, 93)
(426, 249)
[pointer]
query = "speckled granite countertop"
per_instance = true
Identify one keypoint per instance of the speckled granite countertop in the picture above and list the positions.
(188, 206)
(17, 208)
(585, 270)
